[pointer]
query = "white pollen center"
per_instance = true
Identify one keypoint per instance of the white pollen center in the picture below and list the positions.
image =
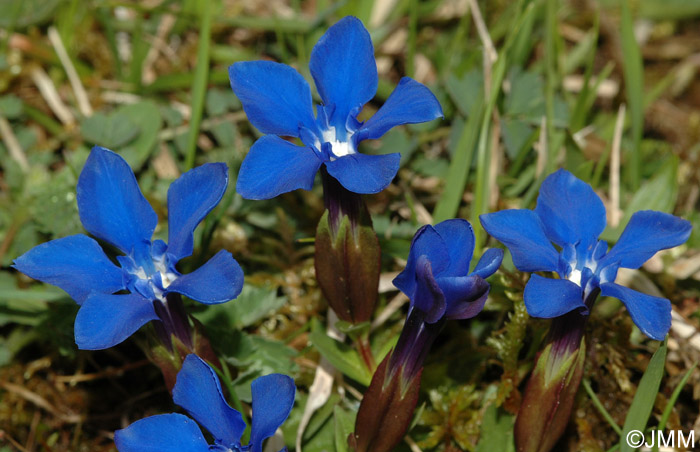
(341, 148)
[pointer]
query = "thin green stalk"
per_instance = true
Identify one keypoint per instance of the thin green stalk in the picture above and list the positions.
(671, 402)
(199, 84)
(412, 33)
(550, 73)
(633, 71)
(601, 409)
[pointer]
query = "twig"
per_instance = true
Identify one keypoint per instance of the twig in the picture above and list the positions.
(12, 144)
(483, 32)
(148, 75)
(11, 440)
(412, 444)
(615, 213)
(79, 378)
(48, 91)
(78, 88)
(41, 402)
(394, 305)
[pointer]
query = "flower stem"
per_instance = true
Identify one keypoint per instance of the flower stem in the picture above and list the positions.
(363, 346)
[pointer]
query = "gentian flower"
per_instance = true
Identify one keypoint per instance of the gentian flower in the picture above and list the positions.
(113, 209)
(198, 391)
(278, 102)
(571, 216)
(440, 286)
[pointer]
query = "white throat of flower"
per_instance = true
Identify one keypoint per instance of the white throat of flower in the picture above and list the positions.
(575, 277)
(338, 148)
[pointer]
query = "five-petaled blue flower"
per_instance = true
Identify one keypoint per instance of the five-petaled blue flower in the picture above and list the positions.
(570, 215)
(437, 278)
(278, 102)
(113, 209)
(198, 391)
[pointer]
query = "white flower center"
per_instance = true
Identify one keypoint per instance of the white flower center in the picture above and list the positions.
(338, 148)
(575, 277)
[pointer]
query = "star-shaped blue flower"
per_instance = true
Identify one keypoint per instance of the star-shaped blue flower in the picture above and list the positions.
(198, 391)
(278, 102)
(571, 216)
(113, 209)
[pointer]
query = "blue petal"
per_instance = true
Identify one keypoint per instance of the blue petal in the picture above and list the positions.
(76, 264)
(570, 210)
(104, 321)
(646, 233)
(162, 433)
(428, 297)
(275, 96)
(190, 198)
(410, 102)
(652, 315)
(465, 295)
(489, 263)
(343, 67)
(459, 240)
(426, 242)
(273, 399)
(274, 166)
(198, 391)
(110, 203)
(547, 298)
(523, 233)
(220, 279)
(365, 174)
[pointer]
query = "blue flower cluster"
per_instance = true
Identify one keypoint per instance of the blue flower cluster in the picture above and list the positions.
(278, 103)
(198, 391)
(571, 216)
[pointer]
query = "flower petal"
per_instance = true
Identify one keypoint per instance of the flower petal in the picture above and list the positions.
(76, 264)
(489, 263)
(365, 174)
(646, 233)
(343, 67)
(523, 233)
(428, 297)
(275, 96)
(410, 102)
(547, 298)
(426, 242)
(104, 321)
(273, 399)
(161, 433)
(652, 315)
(110, 203)
(459, 239)
(219, 280)
(274, 166)
(198, 391)
(190, 198)
(465, 295)
(570, 210)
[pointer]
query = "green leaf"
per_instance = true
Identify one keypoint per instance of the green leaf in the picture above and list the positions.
(26, 12)
(11, 106)
(643, 401)
(344, 426)
(147, 115)
(340, 355)
(109, 131)
(251, 306)
(496, 431)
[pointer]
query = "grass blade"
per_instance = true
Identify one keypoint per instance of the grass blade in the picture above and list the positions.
(634, 87)
(643, 401)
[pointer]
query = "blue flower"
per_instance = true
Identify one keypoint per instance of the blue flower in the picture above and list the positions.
(113, 209)
(198, 391)
(278, 102)
(437, 278)
(571, 216)
(440, 286)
